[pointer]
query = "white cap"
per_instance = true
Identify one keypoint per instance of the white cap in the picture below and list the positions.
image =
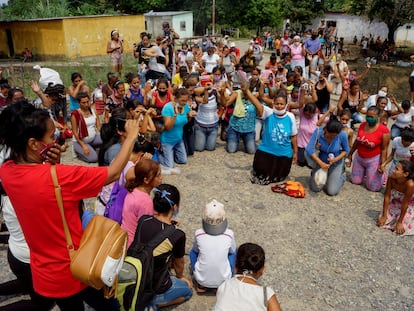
(232, 44)
(214, 218)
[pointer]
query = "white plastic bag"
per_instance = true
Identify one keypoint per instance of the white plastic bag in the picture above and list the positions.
(47, 76)
(320, 177)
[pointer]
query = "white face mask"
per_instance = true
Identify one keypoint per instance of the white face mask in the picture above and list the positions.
(382, 93)
(279, 112)
(296, 43)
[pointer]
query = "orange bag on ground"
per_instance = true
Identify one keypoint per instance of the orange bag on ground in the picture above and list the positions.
(291, 188)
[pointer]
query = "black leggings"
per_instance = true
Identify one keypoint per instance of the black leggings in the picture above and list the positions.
(23, 285)
(92, 297)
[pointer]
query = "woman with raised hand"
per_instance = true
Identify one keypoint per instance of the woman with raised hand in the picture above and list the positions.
(175, 114)
(278, 148)
(29, 133)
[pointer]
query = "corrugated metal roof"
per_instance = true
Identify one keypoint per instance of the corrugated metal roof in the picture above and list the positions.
(168, 13)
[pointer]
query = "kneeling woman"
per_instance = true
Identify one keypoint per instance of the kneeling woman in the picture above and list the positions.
(279, 148)
(333, 148)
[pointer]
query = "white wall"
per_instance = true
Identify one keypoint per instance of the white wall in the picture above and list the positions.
(348, 26)
(405, 35)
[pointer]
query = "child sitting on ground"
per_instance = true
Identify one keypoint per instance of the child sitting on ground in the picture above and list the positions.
(243, 292)
(213, 254)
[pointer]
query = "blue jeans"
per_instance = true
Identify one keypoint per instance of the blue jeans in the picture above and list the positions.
(194, 255)
(171, 153)
(93, 156)
(205, 137)
(395, 131)
(357, 117)
(334, 182)
(233, 138)
(179, 288)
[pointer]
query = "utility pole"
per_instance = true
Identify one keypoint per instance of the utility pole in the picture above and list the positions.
(213, 18)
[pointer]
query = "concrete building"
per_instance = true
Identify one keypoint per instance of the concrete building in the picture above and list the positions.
(347, 26)
(181, 22)
(68, 37)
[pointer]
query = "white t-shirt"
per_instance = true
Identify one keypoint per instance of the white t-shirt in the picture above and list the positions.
(17, 243)
(212, 267)
(372, 101)
(404, 119)
(211, 61)
(235, 295)
(401, 152)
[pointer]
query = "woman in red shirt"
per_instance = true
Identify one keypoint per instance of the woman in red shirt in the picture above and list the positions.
(29, 133)
(372, 144)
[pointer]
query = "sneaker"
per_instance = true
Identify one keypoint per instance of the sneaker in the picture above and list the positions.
(170, 170)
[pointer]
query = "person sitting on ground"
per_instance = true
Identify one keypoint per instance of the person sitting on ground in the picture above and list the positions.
(243, 291)
(147, 175)
(278, 148)
(404, 119)
(398, 209)
(176, 114)
(118, 99)
(142, 150)
(402, 147)
(78, 85)
(174, 289)
(213, 255)
(333, 148)
(372, 144)
(86, 130)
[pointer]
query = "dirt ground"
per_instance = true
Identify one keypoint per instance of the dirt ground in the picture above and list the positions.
(322, 252)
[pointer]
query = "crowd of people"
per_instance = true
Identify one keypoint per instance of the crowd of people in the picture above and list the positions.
(181, 100)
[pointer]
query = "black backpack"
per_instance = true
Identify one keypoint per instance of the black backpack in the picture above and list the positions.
(135, 281)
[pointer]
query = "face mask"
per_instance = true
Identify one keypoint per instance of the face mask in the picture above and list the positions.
(313, 37)
(382, 93)
(279, 112)
(339, 59)
(175, 214)
(296, 43)
(371, 121)
(46, 148)
(162, 93)
(216, 79)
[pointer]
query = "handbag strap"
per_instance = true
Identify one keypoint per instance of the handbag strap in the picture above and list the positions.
(265, 296)
(58, 194)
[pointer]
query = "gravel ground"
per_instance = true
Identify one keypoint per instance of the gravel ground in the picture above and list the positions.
(322, 253)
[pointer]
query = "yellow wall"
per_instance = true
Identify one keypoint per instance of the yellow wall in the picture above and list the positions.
(44, 37)
(88, 36)
(71, 37)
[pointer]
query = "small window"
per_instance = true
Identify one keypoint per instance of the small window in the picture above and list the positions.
(182, 26)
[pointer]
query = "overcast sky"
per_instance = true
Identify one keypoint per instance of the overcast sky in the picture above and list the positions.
(3, 1)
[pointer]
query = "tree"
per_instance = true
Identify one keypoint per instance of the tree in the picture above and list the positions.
(394, 13)
(301, 12)
(262, 13)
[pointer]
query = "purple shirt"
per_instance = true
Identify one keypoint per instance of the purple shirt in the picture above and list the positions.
(313, 46)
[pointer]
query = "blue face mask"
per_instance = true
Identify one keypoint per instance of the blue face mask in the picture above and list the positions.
(175, 214)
